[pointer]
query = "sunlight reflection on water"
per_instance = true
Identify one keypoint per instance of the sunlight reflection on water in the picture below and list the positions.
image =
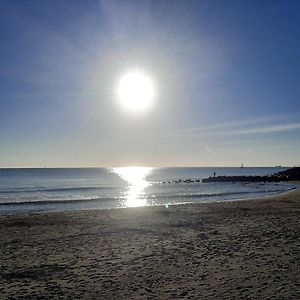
(135, 177)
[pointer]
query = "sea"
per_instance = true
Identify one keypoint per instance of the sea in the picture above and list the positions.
(68, 189)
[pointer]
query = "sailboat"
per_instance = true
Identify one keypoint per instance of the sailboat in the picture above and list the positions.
(242, 165)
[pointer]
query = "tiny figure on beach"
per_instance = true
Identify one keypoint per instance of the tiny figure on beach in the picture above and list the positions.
(214, 174)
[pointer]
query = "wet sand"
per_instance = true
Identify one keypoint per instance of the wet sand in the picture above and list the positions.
(228, 250)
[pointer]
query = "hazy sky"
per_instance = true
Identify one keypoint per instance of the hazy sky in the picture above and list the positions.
(226, 76)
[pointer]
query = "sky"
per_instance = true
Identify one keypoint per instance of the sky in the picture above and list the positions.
(226, 78)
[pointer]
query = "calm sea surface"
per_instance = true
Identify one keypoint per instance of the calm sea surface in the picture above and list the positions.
(37, 190)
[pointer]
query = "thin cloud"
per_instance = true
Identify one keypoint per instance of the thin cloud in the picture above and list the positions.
(270, 129)
(213, 129)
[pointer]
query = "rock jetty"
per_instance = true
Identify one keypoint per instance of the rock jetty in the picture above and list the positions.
(292, 174)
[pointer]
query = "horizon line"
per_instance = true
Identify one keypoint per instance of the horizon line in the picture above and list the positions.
(154, 167)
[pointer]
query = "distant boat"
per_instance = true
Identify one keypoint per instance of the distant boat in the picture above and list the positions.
(279, 166)
(242, 165)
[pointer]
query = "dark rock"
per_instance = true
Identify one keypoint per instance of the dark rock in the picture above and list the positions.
(292, 174)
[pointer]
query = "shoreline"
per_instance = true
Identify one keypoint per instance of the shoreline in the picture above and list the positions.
(296, 183)
(220, 250)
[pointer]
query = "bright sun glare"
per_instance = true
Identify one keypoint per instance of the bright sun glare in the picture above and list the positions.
(136, 180)
(136, 91)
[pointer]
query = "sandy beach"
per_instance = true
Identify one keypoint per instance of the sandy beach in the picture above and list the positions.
(227, 250)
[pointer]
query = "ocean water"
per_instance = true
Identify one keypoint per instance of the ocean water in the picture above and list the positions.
(47, 189)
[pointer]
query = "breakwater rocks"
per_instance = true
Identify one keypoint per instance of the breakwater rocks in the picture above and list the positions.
(292, 174)
(182, 181)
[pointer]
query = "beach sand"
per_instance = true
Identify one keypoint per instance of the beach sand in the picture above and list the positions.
(227, 250)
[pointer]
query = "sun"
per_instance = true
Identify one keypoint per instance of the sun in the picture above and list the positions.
(136, 91)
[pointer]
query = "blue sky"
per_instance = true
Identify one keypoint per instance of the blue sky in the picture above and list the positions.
(226, 75)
